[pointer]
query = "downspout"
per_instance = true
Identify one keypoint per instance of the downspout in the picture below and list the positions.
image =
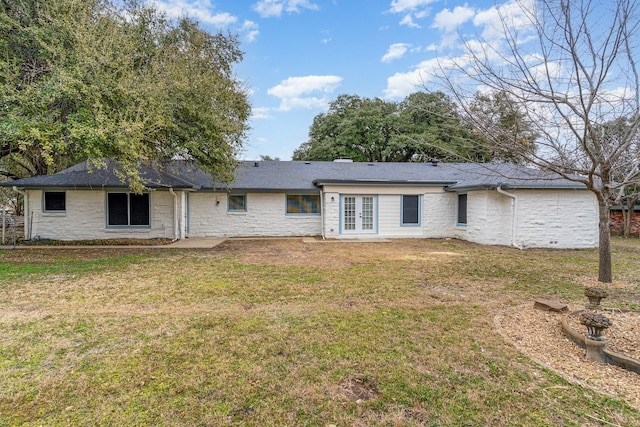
(27, 223)
(322, 216)
(514, 229)
(175, 214)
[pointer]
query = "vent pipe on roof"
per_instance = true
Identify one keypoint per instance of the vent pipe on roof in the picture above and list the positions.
(434, 162)
(256, 164)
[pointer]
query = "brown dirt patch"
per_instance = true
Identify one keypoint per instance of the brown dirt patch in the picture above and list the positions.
(330, 253)
(359, 388)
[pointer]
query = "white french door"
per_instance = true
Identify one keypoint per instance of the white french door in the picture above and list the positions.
(358, 214)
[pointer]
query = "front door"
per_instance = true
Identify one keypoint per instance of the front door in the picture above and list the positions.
(358, 214)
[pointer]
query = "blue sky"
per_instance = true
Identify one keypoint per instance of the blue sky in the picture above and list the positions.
(302, 54)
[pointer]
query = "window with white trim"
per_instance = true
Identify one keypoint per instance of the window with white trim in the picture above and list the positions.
(128, 210)
(55, 201)
(303, 204)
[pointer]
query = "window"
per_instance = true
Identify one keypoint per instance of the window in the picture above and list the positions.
(303, 204)
(411, 210)
(126, 209)
(462, 209)
(237, 203)
(55, 201)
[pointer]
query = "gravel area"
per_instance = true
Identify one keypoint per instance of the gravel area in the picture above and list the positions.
(538, 334)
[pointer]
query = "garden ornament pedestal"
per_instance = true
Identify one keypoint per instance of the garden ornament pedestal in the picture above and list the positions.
(595, 296)
(595, 351)
(596, 323)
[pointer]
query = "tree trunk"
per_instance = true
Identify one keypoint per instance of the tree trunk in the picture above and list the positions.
(627, 216)
(626, 220)
(604, 260)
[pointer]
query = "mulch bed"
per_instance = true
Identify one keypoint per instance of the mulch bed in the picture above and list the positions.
(538, 334)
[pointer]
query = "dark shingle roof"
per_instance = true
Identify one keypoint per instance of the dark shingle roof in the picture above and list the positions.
(84, 176)
(306, 176)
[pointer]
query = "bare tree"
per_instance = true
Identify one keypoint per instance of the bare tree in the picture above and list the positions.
(571, 66)
(625, 170)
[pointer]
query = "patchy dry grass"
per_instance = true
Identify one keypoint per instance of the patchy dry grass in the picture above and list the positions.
(285, 333)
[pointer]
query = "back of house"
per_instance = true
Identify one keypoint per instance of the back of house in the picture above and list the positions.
(483, 203)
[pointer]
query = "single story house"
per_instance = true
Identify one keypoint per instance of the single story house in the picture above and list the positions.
(483, 203)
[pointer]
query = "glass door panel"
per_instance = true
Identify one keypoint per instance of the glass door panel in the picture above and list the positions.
(358, 214)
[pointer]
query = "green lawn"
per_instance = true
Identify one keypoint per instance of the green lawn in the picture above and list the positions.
(285, 333)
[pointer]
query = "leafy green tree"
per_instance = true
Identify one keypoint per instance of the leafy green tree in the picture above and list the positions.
(422, 126)
(268, 158)
(498, 114)
(433, 128)
(94, 79)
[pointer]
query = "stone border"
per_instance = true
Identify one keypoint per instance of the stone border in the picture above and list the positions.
(557, 371)
(609, 356)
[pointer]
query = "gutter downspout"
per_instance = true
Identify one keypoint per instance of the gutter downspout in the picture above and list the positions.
(27, 223)
(175, 214)
(514, 229)
(322, 215)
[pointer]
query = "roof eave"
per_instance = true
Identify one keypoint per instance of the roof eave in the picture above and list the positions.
(457, 189)
(377, 182)
(90, 186)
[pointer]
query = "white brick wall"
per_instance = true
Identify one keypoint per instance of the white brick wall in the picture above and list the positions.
(489, 218)
(556, 218)
(331, 215)
(544, 218)
(265, 216)
(85, 217)
(439, 217)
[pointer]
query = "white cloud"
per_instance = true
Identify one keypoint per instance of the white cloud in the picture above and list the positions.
(201, 10)
(447, 40)
(268, 8)
(401, 6)
(411, 9)
(395, 51)
(295, 86)
(251, 36)
(449, 20)
(514, 14)
(326, 37)
(408, 21)
(296, 5)
(271, 8)
(402, 84)
(309, 103)
(261, 113)
(541, 70)
(250, 31)
(298, 92)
